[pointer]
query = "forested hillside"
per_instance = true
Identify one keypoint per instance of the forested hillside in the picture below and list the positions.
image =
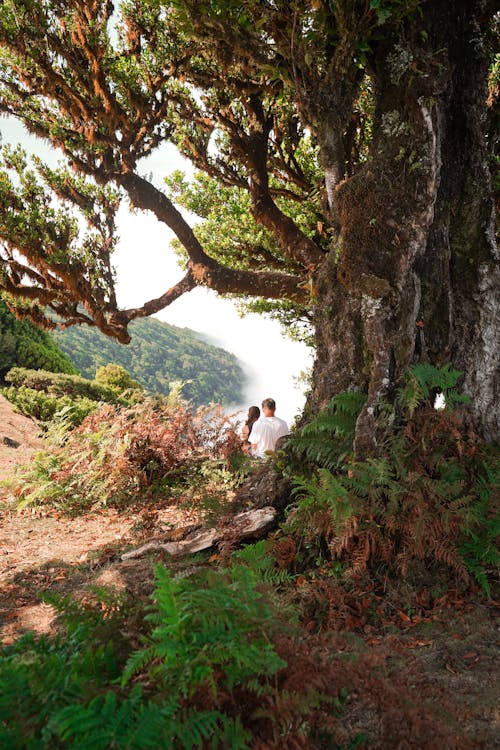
(24, 345)
(158, 355)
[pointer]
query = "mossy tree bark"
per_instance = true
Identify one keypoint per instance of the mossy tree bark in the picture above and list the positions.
(418, 265)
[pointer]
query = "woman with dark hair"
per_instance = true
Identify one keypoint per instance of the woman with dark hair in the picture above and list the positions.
(253, 416)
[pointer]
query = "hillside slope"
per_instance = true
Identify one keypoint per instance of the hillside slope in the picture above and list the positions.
(158, 355)
(19, 439)
(24, 345)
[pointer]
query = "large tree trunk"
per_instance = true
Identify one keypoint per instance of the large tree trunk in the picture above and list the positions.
(418, 265)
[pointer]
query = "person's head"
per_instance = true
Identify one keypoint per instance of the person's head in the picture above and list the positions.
(253, 414)
(269, 407)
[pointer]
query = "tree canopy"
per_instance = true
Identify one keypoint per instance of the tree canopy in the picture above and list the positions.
(344, 149)
(108, 87)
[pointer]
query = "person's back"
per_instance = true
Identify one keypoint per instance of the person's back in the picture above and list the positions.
(267, 430)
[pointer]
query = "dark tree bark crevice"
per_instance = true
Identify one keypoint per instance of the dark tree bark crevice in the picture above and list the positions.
(461, 280)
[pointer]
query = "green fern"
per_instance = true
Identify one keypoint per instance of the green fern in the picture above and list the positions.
(323, 507)
(424, 380)
(38, 675)
(259, 560)
(480, 550)
(200, 630)
(327, 439)
(208, 633)
(108, 722)
(427, 496)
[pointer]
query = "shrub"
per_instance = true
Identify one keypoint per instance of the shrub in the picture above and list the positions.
(46, 408)
(116, 377)
(66, 399)
(60, 384)
(123, 455)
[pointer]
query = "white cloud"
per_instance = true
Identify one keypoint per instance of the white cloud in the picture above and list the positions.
(270, 360)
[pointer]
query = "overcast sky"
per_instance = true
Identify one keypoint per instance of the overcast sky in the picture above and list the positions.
(146, 267)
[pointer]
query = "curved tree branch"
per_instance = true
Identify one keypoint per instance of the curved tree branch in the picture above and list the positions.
(205, 270)
(186, 284)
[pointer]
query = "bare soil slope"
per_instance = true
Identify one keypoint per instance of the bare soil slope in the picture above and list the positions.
(16, 428)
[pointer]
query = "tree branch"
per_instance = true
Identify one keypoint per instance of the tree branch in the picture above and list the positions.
(293, 241)
(205, 270)
(186, 284)
(146, 196)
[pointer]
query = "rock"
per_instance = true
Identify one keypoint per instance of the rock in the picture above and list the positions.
(9, 442)
(264, 489)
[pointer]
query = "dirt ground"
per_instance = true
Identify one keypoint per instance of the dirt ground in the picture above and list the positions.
(453, 656)
(45, 551)
(21, 430)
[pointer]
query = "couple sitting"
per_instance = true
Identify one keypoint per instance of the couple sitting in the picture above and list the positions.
(261, 433)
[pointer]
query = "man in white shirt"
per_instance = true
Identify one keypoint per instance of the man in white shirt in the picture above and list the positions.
(267, 430)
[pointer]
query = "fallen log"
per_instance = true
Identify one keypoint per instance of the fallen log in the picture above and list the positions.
(251, 523)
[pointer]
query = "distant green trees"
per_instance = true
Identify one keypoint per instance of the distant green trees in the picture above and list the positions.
(159, 355)
(24, 345)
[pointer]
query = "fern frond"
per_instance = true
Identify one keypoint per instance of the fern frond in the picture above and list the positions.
(445, 552)
(327, 439)
(197, 726)
(208, 629)
(258, 558)
(424, 380)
